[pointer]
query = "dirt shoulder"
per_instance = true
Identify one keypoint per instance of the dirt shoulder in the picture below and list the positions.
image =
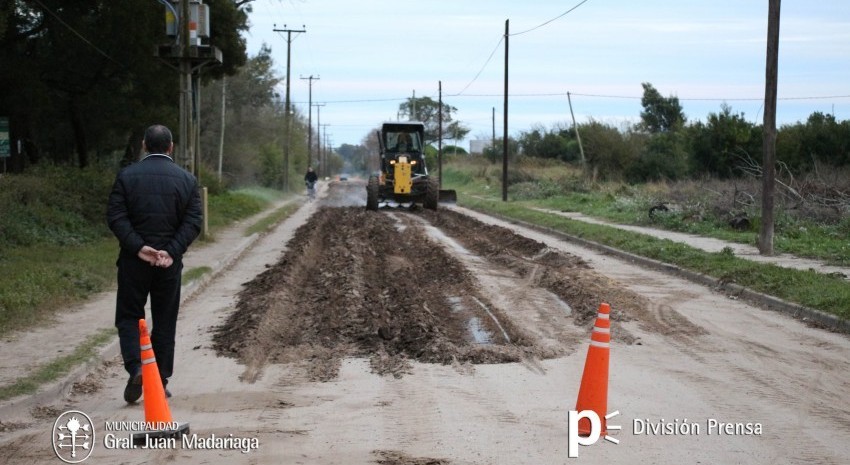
(26, 351)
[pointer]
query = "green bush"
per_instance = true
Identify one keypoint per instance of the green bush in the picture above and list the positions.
(51, 205)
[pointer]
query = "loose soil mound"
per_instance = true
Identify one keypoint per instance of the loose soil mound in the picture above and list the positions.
(353, 283)
(371, 284)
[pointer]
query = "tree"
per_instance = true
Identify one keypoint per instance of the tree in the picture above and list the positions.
(427, 110)
(84, 74)
(609, 151)
(660, 114)
(717, 145)
(557, 143)
(355, 156)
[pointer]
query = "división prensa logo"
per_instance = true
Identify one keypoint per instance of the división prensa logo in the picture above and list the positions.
(73, 436)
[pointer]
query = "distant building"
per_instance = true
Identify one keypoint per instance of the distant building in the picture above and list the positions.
(476, 147)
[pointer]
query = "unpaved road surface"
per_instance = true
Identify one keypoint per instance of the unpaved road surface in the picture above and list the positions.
(415, 337)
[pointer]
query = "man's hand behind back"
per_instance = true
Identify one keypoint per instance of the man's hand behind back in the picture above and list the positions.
(154, 257)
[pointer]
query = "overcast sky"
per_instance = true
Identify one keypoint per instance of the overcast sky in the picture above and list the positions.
(372, 54)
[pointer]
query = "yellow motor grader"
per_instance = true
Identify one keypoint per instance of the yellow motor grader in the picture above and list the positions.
(403, 177)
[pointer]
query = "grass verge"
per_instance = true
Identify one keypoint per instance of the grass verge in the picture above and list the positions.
(195, 273)
(823, 292)
(272, 219)
(58, 367)
(38, 280)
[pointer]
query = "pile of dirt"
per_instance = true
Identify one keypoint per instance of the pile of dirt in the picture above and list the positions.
(371, 284)
(352, 283)
(567, 276)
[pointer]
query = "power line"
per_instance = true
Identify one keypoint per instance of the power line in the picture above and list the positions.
(551, 20)
(108, 57)
(502, 38)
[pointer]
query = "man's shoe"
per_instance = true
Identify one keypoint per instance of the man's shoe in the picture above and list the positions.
(167, 393)
(134, 388)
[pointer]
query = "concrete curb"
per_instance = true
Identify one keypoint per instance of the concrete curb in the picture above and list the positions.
(805, 314)
(61, 388)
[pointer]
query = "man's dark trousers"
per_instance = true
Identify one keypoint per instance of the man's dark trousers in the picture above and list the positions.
(136, 279)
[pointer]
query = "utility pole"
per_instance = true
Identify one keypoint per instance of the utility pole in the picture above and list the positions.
(287, 117)
(324, 130)
(310, 117)
(189, 24)
(440, 134)
(575, 126)
(768, 188)
(185, 150)
(505, 122)
(493, 138)
(221, 136)
(318, 136)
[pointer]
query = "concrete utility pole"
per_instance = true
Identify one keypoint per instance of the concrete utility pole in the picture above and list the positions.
(323, 134)
(189, 23)
(493, 138)
(505, 128)
(769, 140)
(221, 135)
(575, 126)
(287, 116)
(185, 149)
(310, 117)
(318, 137)
(440, 134)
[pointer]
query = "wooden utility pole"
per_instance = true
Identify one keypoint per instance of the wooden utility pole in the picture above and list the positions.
(310, 117)
(287, 116)
(505, 122)
(575, 126)
(769, 137)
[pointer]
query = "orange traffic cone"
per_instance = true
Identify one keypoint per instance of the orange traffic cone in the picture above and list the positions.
(158, 420)
(593, 393)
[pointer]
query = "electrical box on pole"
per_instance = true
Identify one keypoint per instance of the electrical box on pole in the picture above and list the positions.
(199, 20)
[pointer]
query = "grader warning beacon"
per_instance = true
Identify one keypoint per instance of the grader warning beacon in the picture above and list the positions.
(403, 176)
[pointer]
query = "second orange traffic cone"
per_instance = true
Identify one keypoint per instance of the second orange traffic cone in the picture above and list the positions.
(156, 406)
(593, 393)
(158, 420)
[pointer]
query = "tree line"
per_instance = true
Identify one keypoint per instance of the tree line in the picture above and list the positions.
(79, 82)
(663, 145)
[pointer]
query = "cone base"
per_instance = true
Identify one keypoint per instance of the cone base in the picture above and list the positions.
(586, 432)
(142, 437)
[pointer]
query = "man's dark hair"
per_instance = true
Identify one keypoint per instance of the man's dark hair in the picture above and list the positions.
(157, 139)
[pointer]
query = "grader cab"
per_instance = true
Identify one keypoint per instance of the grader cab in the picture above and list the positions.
(403, 177)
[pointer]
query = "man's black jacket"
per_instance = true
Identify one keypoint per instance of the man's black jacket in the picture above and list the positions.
(155, 202)
(311, 176)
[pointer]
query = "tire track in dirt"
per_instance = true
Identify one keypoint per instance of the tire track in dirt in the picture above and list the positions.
(353, 284)
(382, 285)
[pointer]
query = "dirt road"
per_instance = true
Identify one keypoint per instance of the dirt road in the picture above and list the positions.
(414, 337)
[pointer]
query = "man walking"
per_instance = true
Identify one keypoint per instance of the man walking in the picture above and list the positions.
(155, 212)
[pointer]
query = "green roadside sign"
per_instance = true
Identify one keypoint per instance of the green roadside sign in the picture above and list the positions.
(5, 145)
